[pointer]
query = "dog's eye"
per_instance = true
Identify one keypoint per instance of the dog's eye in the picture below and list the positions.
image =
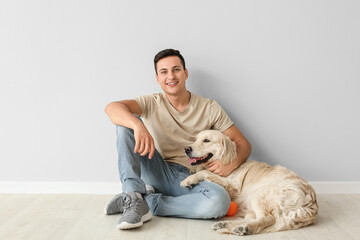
(206, 140)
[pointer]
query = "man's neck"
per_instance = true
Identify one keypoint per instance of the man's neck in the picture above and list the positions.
(179, 102)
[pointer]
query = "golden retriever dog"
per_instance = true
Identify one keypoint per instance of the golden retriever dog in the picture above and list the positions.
(269, 198)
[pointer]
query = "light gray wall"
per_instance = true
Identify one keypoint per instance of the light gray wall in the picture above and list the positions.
(287, 73)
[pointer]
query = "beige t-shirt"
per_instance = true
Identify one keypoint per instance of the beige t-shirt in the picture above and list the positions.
(172, 130)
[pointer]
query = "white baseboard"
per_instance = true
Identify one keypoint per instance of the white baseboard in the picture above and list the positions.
(336, 187)
(116, 187)
(62, 187)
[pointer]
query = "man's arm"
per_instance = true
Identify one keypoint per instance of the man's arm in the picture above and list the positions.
(243, 152)
(122, 113)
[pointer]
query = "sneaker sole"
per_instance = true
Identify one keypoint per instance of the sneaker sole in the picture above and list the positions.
(126, 225)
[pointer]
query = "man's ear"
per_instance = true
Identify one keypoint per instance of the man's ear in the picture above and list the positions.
(229, 150)
(157, 78)
(186, 74)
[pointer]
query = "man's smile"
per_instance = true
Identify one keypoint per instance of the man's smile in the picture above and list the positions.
(172, 83)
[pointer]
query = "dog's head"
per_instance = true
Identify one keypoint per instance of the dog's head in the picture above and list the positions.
(211, 145)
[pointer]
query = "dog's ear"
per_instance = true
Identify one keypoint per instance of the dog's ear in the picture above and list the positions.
(229, 150)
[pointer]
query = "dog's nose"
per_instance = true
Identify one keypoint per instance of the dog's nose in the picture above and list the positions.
(188, 149)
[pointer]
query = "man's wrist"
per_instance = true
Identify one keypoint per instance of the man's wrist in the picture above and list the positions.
(137, 124)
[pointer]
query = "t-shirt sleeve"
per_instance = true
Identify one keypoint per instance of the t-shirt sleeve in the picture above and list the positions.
(220, 120)
(148, 104)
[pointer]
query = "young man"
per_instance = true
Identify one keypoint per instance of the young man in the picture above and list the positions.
(152, 151)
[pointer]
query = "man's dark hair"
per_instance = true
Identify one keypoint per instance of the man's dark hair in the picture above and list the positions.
(167, 53)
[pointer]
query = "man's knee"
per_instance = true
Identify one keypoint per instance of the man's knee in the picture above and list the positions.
(124, 132)
(124, 138)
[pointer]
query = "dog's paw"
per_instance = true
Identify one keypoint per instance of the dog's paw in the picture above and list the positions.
(188, 182)
(241, 230)
(185, 185)
(219, 225)
(222, 227)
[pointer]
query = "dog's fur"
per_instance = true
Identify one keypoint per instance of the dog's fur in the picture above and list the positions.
(269, 198)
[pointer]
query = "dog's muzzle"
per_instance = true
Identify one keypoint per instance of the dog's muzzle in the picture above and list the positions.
(196, 160)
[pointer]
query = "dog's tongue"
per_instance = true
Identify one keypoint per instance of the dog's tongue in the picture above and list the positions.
(191, 160)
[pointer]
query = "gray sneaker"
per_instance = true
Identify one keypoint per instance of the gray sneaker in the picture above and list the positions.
(115, 205)
(136, 212)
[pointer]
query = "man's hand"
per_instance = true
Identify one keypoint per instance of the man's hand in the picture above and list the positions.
(122, 113)
(144, 143)
(222, 170)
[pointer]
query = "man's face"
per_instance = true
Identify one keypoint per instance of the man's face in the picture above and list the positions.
(171, 75)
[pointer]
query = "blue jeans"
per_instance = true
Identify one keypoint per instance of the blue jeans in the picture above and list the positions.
(204, 201)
